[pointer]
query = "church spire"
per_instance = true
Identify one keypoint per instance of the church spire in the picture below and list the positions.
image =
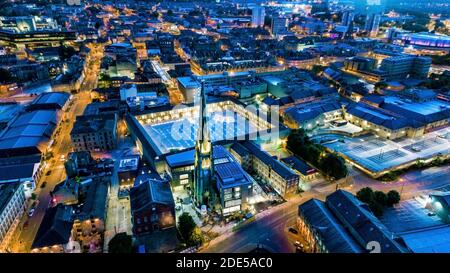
(203, 164)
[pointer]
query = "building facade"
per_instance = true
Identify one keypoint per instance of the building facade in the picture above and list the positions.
(12, 207)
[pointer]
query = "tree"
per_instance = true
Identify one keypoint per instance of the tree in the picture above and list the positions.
(312, 153)
(297, 141)
(379, 86)
(414, 27)
(365, 195)
(186, 226)
(121, 243)
(376, 208)
(170, 12)
(380, 197)
(196, 238)
(393, 197)
(316, 69)
(5, 76)
(334, 166)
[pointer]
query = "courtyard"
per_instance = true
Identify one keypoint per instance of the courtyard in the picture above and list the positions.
(182, 133)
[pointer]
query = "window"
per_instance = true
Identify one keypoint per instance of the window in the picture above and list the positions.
(184, 176)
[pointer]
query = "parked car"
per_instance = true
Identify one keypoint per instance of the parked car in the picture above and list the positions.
(31, 212)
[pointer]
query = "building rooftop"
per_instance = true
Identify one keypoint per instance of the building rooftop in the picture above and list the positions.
(13, 168)
(432, 240)
(94, 205)
(239, 149)
(50, 100)
(424, 111)
(29, 130)
(149, 192)
(321, 220)
(129, 163)
(8, 111)
(55, 228)
(299, 165)
(230, 174)
(181, 159)
(356, 216)
(378, 116)
(265, 157)
(85, 125)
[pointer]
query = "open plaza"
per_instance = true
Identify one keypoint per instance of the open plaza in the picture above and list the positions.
(175, 129)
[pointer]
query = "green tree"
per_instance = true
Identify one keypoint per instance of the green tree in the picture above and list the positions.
(365, 195)
(414, 27)
(316, 69)
(334, 166)
(379, 86)
(380, 197)
(196, 237)
(170, 12)
(121, 243)
(186, 225)
(5, 76)
(312, 153)
(393, 197)
(376, 208)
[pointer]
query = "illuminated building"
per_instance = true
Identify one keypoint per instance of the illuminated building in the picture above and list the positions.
(203, 165)
(372, 24)
(12, 206)
(23, 31)
(279, 26)
(258, 14)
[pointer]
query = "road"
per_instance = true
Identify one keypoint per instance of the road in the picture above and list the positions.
(118, 217)
(24, 236)
(270, 228)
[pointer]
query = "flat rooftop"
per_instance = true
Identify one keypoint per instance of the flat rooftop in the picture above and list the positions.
(377, 154)
(129, 163)
(423, 108)
(7, 111)
(434, 240)
(409, 215)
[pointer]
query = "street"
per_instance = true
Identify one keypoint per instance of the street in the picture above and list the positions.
(24, 235)
(270, 229)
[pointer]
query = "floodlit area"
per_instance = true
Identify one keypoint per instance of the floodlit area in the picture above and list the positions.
(182, 133)
(376, 154)
(177, 129)
(339, 127)
(409, 215)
